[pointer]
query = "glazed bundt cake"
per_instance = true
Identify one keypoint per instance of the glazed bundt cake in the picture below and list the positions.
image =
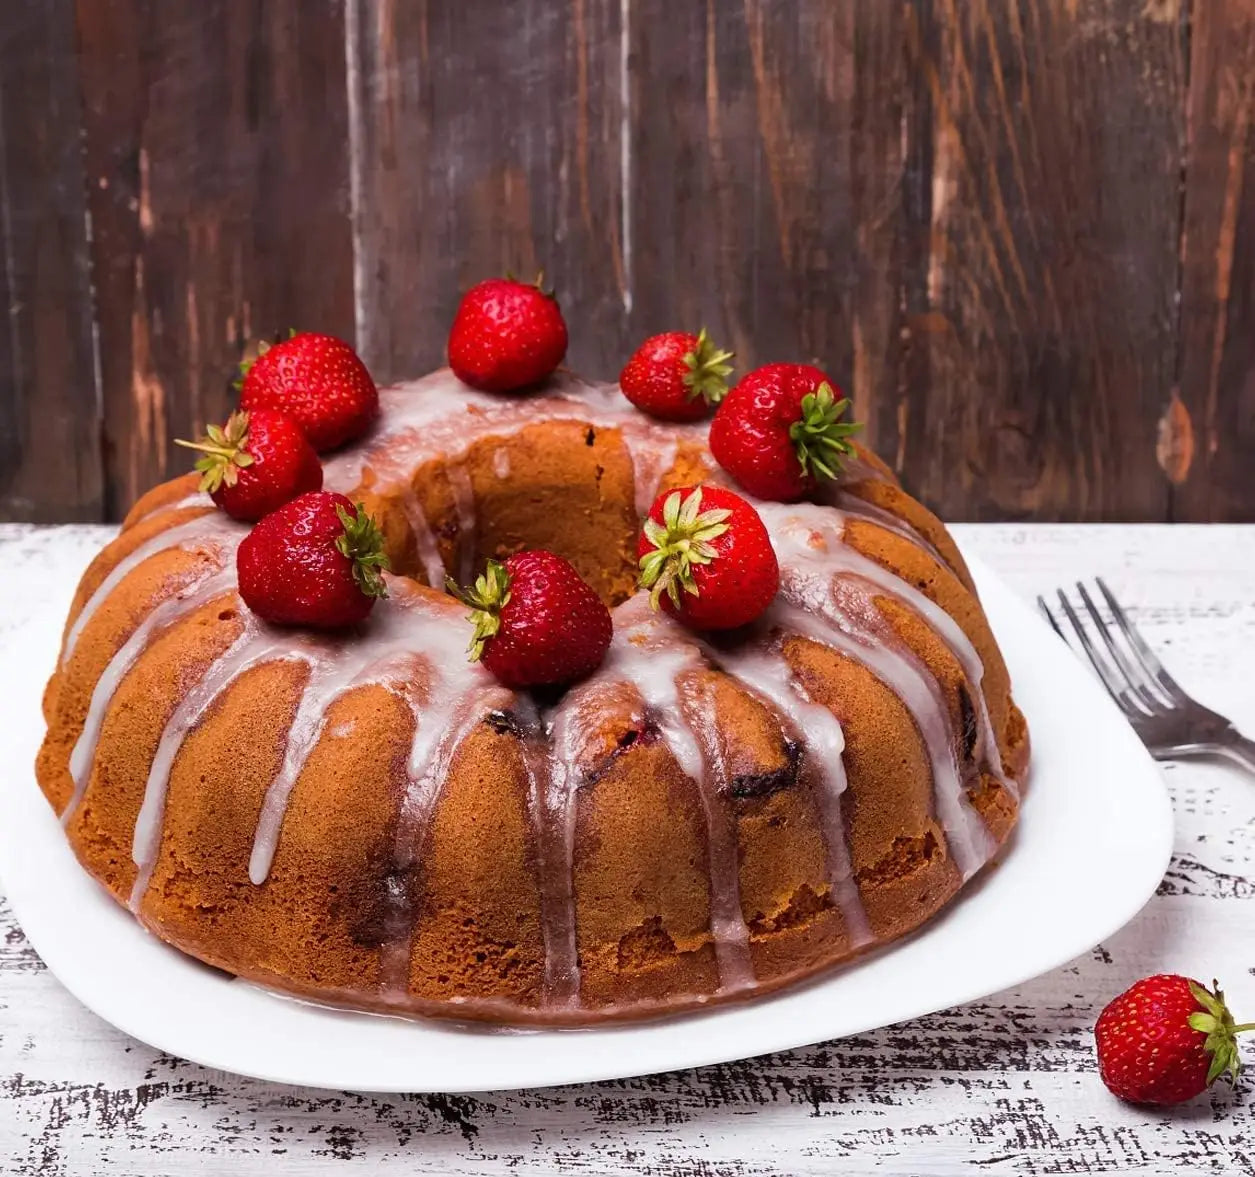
(368, 819)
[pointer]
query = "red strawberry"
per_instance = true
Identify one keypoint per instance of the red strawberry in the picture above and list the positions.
(320, 381)
(536, 622)
(676, 376)
(255, 463)
(706, 558)
(506, 335)
(780, 430)
(315, 561)
(1165, 1040)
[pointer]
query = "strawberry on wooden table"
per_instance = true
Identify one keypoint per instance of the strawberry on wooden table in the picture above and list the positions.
(255, 463)
(536, 622)
(506, 335)
(1166, 1039)
(706, 558)
(781, 431)
(316, 561)
(676, 376)
(319, 380)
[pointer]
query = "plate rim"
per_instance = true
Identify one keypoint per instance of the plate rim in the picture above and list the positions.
(92, 986)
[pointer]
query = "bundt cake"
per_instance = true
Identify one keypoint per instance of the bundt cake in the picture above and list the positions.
(368, 819)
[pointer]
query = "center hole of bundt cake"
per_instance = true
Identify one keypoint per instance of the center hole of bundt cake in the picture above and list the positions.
(564, 486)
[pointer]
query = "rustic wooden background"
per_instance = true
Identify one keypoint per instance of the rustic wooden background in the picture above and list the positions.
(1022, 234)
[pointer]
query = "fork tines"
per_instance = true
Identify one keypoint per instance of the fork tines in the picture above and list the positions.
(1129, 670)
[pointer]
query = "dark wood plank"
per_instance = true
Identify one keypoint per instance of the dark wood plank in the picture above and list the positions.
(486, 139)
(1208, 429)
(50, 460)
(1041, 323)
(216, 144)
(770, 198)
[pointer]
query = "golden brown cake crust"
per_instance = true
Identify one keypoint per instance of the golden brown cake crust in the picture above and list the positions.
(554, 860)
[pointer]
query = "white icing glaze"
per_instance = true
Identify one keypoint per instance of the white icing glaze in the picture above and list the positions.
(424, 538)
(189, 598)
(214, 531)
(501, 462)
(764, 671)
(464, 508)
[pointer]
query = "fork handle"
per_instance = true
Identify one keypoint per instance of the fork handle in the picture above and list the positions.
(1240, 750)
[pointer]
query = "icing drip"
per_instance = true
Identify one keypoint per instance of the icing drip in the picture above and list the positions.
(214, 531)
(653, 653)
(765, 672)
(424, 538)
(189, 598)
(464, 507)
(253, 647)
(825, 597)
(890, 584)
(196, 499)
(501, 462)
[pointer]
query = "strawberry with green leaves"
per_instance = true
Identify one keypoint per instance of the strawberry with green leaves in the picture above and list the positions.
(782, 431)
(255, 463)
(319, 380)
(676, 376)
(536, 621)
(1166, 1039)
(317, 561)
(706, 558)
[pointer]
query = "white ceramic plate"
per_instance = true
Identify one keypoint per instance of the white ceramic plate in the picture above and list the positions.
(1093, 843)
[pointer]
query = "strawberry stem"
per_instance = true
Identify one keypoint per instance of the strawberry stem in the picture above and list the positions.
(225, 453)
(708, 370)
(681, 541)
(1214, 1019)
(820, 436)
(362, 542)
(486, 598)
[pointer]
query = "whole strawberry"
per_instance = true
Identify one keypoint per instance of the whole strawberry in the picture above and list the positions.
(780, 431)
(706, 558)
(255, 463)
(536, 622)
(1165, 1040)
(506, 335)
(676, 376)
(315, 561)
(317, 379)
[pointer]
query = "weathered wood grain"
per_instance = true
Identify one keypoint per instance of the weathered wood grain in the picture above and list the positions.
(1006, 1085)
(486, 138)
(1208, 428)
(1041, 331)
(50, 460)
(215, 137)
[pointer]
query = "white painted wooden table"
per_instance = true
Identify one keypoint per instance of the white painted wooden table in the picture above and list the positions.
(1004, 1085)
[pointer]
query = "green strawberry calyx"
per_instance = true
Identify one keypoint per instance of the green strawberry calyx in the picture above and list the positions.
(224, 453)
(260, 350)
(681, 542)
(486, 598)
(820, 436)
(1214, 1019)
(362, 542)
(708, 370)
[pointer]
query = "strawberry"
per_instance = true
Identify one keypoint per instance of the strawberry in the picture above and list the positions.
(676, 376)
(315, 561)
(706, 558)
(319, 380)
(779, 431)
(536, 622)
(506, 335)
(1165, 1040)
(255, 463)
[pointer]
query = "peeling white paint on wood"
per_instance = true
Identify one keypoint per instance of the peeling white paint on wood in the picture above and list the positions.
(1006, 1085)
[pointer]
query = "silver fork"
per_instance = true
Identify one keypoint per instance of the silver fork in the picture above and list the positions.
(1170, 723)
